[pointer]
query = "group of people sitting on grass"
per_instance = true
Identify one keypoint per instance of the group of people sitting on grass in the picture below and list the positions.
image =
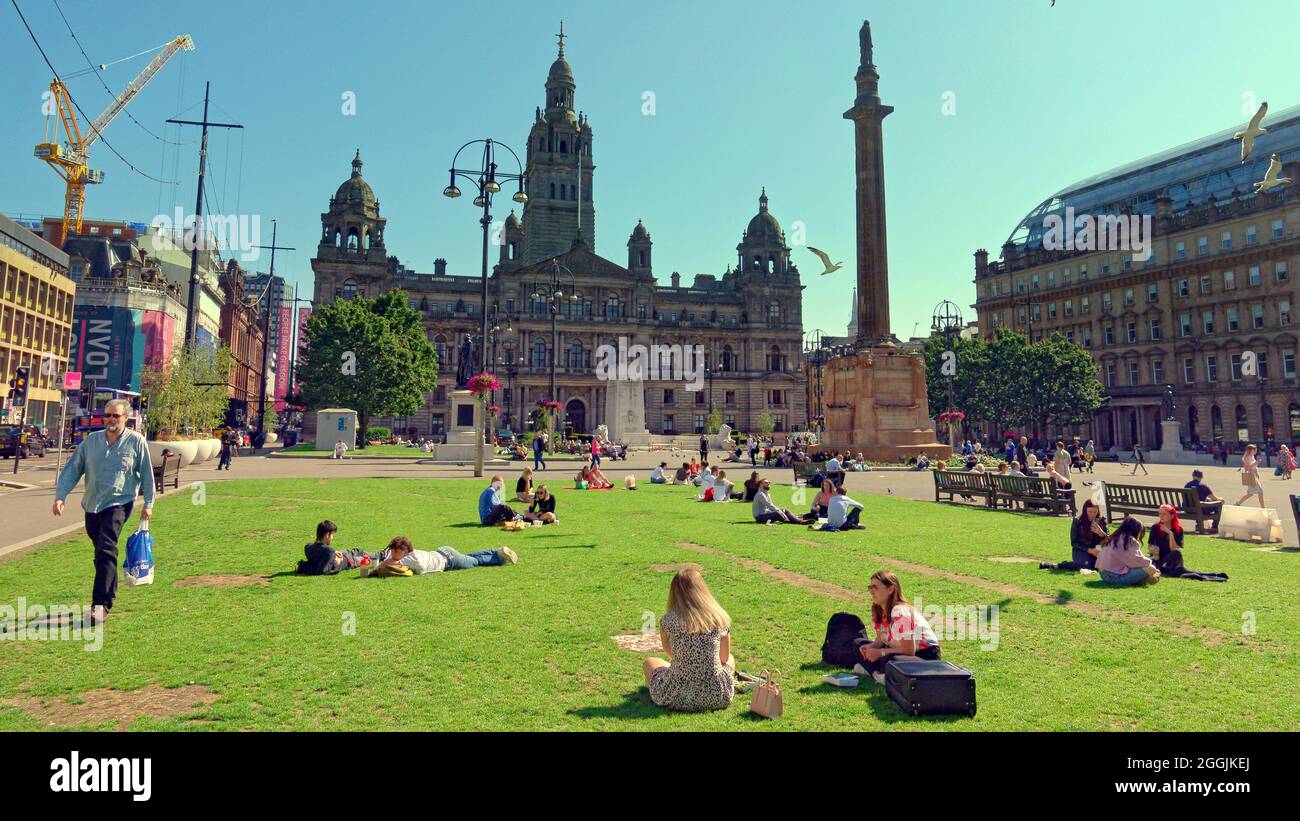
(493, 510)
(1118, 556)
(400, 558)
(699, 672)
(831, 503)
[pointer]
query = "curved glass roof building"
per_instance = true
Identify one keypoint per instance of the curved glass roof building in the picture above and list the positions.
(1189, 175)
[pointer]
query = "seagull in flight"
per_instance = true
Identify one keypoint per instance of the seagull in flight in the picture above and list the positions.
(1252, 131)
(830, 269)
(1271, 179)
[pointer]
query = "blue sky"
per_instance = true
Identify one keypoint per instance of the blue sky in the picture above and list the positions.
(747, 95)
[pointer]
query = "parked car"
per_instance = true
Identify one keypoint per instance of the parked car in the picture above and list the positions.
(31, 442)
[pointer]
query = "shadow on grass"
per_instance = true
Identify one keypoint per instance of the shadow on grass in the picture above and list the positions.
(635, 705)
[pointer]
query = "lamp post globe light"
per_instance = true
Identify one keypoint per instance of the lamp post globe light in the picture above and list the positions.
(947, 320)
(486, 181)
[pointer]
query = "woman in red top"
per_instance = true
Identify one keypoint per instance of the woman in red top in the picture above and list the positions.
(900, 629)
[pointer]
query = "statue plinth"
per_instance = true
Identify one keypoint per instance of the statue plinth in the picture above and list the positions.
(875, 402)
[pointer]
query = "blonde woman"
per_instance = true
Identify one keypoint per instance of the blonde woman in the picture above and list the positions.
(524, 487)
(1250, 476)
(696, 635)
(543, 507)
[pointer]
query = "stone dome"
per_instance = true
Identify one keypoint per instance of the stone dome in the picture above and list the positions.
(560, 71)
(764, 228)
(355, 188)
(639, 232)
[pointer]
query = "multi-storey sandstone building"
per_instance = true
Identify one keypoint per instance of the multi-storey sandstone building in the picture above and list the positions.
(748, 318)
(1217, 287)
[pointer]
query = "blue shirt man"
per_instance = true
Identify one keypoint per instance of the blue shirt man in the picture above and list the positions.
(115, 463)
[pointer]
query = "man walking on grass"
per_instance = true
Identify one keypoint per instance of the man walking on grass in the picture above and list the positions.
(115, 462)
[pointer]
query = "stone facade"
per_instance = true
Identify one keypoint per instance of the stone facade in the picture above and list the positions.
(748, 320)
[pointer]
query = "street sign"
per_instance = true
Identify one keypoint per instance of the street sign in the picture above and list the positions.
(72, 381)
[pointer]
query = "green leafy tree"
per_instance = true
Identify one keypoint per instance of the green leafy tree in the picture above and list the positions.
(765, 423)
(967, 368)
(713, 423)
(187, 394)
(368, 355)
(999, 395)
(1061, 386)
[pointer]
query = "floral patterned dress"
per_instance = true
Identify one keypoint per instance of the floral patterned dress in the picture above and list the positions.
(697, 679)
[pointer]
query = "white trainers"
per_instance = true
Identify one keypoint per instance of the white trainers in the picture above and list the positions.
(507, 555)
(879, 677)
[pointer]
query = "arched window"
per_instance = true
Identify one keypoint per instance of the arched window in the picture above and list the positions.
(424, 304)
(552, 190)
(353, 239)
(774, 358)
(440, 348)
(758, 262)
(350, 289)
(512, 250)
(1243, 427)
(564, 146)
(1216, 423)
(728, 359)
(541, 143)
(640, 258)
(1266, 420)
(774, 313)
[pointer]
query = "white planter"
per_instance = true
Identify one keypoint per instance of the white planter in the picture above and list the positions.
(156, 451)
(200, 451)
(188, 451)
(272, 438)
(208, 448)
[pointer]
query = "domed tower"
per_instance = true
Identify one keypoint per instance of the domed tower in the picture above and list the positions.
(762, 247)
(559, 209)
(352, 227)
(638, 250)
(351, 259)
(512, 240)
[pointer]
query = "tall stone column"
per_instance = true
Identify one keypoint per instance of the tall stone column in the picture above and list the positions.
(873, 260)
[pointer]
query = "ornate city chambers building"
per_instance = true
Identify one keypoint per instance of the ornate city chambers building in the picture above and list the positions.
(1216, 288)
(747, 319)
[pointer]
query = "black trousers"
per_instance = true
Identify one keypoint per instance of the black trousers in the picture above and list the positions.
(104, 528)
(499, 514)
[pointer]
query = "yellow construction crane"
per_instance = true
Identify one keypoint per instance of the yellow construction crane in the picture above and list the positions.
(68, 156)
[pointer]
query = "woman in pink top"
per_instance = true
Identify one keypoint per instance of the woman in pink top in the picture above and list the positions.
(1122, 562)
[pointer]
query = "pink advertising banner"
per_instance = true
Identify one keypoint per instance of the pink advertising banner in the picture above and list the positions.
(283, 345)
(303, 315)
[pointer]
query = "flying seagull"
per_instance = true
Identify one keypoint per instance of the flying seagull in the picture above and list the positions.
(1271, 178)
(830, 269)
(1252, 131)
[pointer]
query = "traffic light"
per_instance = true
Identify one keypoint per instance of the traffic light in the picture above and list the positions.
(135, 403)
(85, 398)
(144, 404)
(18, 386)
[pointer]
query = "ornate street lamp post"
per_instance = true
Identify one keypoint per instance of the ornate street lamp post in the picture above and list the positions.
(486, 180)
(947, 321)
(553, 292)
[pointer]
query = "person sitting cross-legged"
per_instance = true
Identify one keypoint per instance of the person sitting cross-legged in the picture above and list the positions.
(683, 475)
(1087, 534)
(401, 553)
(543, 507)
(696, 636)
(722, 487)
(657, 476)
(767, 513)
(1165, 545)
(1121, 561)
(842, 512)
(901, 631)
(492, 510)
(821, 502)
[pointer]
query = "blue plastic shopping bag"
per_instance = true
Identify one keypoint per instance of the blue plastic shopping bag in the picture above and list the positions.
(139, 557)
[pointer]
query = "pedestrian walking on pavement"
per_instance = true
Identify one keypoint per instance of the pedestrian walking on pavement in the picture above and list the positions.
(1138, 460)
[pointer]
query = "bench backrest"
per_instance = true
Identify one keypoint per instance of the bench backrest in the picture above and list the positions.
(1152, 498)
(1023, 485)
(962, 480)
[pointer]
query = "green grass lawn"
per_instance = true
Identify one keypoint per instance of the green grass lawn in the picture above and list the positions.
(309, 449)
(528, 646)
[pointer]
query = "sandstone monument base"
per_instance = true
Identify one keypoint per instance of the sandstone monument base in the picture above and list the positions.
(875, 402)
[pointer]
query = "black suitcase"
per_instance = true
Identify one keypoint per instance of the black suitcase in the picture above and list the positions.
(930, 687)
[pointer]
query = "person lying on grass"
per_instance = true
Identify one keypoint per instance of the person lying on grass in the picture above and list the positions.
(543, 507)
(842, 512)
(323, 560)
(901, 631)
(696, 635)
(492, 510)
(1165, 546)
(401, 553)
(1087, 533)
(767, 513)
(1121, 562)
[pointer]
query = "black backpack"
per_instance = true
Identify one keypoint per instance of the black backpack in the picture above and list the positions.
(841, 645)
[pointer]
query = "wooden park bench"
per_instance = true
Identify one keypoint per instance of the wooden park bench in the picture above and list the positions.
(1146, 501)
(805, 471)
(167, 472)
(964, 483)
(1034, 492)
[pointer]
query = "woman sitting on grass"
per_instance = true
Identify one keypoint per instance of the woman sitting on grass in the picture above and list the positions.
(901, 631)
(658, 475)
(1165, 546)
(696, 635)
(543, 507)
(751, 487)
(722, 487)
(821, 502)
(683, 475)
(1121, 561)
(591, 477)
(1087, 533)
(524, 487)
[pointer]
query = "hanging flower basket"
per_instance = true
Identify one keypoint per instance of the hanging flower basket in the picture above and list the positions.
(484, 384)
(951, 416)
(494, 409)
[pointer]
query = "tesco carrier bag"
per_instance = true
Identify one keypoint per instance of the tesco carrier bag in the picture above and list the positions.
(139, 557)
